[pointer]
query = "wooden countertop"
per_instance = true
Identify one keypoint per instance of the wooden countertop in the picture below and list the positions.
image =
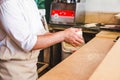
(82, 63)
(109, 68)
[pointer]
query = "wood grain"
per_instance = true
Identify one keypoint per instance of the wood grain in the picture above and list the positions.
(108, 34)
(81, 64)
(101, 17)
(109, 69)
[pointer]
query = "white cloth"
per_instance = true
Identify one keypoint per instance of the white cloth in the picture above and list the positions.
(20, 23)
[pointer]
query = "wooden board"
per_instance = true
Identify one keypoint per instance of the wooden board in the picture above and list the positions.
(109, 69)
(81, 64)
(101, 17)
(108, 34)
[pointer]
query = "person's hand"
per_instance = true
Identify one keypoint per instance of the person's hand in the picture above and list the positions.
(73, 36)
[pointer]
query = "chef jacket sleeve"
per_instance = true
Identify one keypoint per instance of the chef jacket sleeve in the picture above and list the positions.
(16, 26)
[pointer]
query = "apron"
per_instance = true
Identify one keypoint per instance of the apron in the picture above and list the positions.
(19, 69)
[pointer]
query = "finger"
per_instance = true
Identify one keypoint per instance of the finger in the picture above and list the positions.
(76, 43)
(79, 39)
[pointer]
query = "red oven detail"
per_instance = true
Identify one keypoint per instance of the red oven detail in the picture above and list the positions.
(64, 13)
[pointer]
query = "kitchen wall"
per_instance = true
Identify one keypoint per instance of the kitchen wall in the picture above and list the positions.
(102, 11)
(103, 5)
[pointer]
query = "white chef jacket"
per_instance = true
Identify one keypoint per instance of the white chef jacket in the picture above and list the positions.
(20, 23)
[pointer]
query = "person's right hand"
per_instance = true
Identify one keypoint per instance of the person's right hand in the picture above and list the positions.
(72, 37)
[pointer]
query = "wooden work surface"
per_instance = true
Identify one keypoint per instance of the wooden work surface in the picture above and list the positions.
(109, 69)
(81, 64)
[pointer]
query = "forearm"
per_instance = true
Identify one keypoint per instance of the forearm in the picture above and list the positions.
(69, 35)
(44, 41)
